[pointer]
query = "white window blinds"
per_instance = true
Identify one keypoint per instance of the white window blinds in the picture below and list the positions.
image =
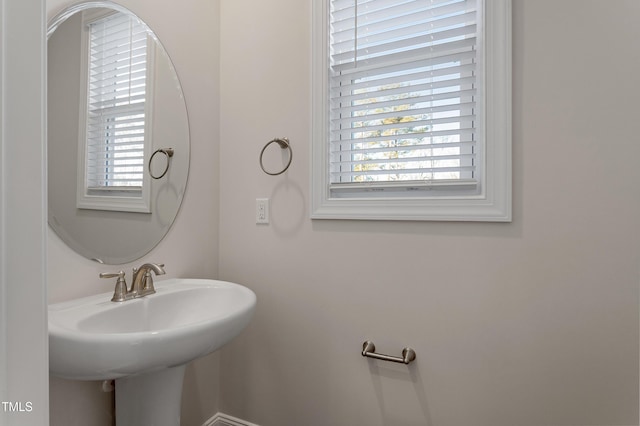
(116, 103)
(403, 92)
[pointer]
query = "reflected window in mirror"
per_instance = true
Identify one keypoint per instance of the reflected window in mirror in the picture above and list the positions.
(118, 57)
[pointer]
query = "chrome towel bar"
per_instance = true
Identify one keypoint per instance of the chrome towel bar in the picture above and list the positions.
(369, 350)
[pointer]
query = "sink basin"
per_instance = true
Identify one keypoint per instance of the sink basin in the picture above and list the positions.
(95, 339)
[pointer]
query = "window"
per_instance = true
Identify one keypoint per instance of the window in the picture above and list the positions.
(112, 143)
(411, 110)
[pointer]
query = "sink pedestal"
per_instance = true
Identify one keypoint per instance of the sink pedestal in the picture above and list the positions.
(151, 399)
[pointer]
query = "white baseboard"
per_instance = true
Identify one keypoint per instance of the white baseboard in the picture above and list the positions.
(221, 419)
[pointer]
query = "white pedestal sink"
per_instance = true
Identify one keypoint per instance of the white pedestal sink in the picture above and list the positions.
(145, 343)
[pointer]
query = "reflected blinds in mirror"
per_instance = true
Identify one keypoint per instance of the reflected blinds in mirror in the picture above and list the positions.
(116, 103)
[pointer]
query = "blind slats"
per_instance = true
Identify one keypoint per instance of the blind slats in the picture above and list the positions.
(380, 71)
(430, 110)
(405, 88)
(413, 18)
(414, 72)
(126, 120)
(119, 99)
(424, 158)
(434, 136)
(402, 90)
(398, 130)
(131, 149)
(125, 49)
(108, 78)
(403, 171)
(447, 100)
(116, 102)
(432, 146)
(405, 55)
(404, 36)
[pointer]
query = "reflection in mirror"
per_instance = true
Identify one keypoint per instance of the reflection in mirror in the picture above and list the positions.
(116, 67)
(114, 100)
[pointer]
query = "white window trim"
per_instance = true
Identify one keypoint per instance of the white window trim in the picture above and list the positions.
(117, 200)
(492, 204)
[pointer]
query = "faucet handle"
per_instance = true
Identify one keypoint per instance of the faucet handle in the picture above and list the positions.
(119, 274)
(120, 292)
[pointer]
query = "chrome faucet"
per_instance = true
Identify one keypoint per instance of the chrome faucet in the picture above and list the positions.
(142, 282)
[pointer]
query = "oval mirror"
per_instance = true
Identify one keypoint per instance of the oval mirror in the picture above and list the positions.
(118, 134)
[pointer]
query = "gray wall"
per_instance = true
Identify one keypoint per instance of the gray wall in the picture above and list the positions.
(23, 321)
(529, 323)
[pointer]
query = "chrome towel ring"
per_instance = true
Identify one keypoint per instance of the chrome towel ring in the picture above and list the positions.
(284, 144)
(168, 152)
